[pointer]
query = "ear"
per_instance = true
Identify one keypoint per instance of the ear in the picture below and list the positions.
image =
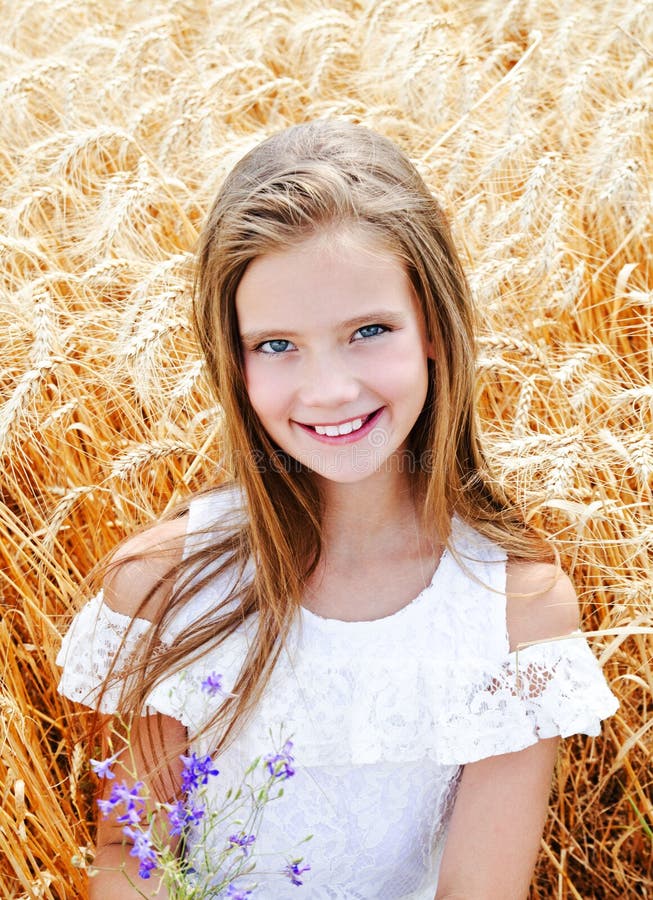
(430, 350)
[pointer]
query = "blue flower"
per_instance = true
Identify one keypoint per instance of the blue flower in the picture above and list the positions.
(180, 815)
(131, 816)
(194, 815)
(146, 867)
(102, 767)
(106, 807)
(234, 893)
(212, 684)
(143, 849)
(293, 871)
(279, 765)
(125, 794)
(121, 793)
(177, 817)
(196, 771)
(242, 840)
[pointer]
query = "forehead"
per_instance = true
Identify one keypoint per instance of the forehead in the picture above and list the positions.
(325, 279)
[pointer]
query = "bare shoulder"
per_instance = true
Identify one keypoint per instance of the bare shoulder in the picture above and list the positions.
(541, 602)
(140, 566)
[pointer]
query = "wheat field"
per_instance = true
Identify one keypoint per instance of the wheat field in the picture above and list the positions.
(531, 120)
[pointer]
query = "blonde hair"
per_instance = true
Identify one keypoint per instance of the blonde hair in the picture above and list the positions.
(323, 175)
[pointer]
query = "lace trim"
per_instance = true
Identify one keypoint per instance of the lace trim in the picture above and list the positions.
(93, 642)
(366, 710)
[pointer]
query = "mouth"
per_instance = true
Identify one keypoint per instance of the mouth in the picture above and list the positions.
(345, 431)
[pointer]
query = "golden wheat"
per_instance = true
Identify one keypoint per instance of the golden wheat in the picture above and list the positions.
(532, 124)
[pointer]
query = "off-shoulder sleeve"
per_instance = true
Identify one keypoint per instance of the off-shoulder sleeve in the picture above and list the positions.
(99, 638)
(551, 688)
(102, 641)
(498, 701)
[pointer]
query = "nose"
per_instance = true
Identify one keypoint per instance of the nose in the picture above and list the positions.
(327, 382)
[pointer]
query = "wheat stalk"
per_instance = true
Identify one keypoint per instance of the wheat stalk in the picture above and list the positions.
(531, 122)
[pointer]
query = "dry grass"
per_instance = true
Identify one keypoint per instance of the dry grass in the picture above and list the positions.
(531, 120)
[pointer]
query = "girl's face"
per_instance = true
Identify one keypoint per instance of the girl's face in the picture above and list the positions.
(335, 354)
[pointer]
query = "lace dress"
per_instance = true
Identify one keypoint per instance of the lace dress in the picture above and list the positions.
(382, 714)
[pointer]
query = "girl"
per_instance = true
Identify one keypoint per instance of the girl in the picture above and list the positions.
(359, 584)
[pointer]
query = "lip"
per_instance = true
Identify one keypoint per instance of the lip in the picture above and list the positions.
(350, 438)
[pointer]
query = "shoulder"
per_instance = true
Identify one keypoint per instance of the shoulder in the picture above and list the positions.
(541, 602)
(140, 572)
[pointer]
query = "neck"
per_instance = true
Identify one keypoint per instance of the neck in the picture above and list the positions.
(371, 518)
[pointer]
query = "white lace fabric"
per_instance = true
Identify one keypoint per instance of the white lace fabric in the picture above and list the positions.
(382, 715)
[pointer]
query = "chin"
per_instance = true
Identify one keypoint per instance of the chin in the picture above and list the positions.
(348, 473)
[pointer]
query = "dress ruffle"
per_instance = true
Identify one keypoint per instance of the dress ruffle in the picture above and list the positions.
(97, 636)
(548, 689)
(359, 711)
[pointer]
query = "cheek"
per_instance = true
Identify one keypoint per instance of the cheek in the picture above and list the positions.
(264, 388)
(405, 373)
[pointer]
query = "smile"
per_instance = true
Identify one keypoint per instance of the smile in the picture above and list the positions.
(343, 428)
(358, 427)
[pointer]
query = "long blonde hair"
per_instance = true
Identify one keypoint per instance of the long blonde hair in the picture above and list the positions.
(323, 175)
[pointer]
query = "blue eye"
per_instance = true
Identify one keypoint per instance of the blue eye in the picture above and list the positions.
(368, 331)
(274, 347)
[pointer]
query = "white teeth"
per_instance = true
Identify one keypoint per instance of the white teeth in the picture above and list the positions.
(335, 430)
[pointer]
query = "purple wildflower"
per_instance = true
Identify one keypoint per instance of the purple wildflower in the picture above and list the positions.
(131, 816)
(194, 815)
(242, 840)
(106, 806)
(196, 771)
(293, 871)
(234, 893)
(122, 793)
(280, 764)
(146, 867)
(131, 797)
(143, 849)
(212, 684)
(180, 815)
(177, 817)
(102, 767)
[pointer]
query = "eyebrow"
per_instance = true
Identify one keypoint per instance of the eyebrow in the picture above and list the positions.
(374, 317)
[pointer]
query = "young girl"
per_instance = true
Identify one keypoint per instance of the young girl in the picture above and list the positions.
(359, 585)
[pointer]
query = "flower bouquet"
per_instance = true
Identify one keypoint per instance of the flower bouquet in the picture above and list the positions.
(216, 854)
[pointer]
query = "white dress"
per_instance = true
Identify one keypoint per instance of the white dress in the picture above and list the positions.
(382, 714)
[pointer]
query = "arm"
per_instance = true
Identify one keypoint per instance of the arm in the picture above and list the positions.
(501, 805)
(127, 583)
(496, 825)
(116, 868)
